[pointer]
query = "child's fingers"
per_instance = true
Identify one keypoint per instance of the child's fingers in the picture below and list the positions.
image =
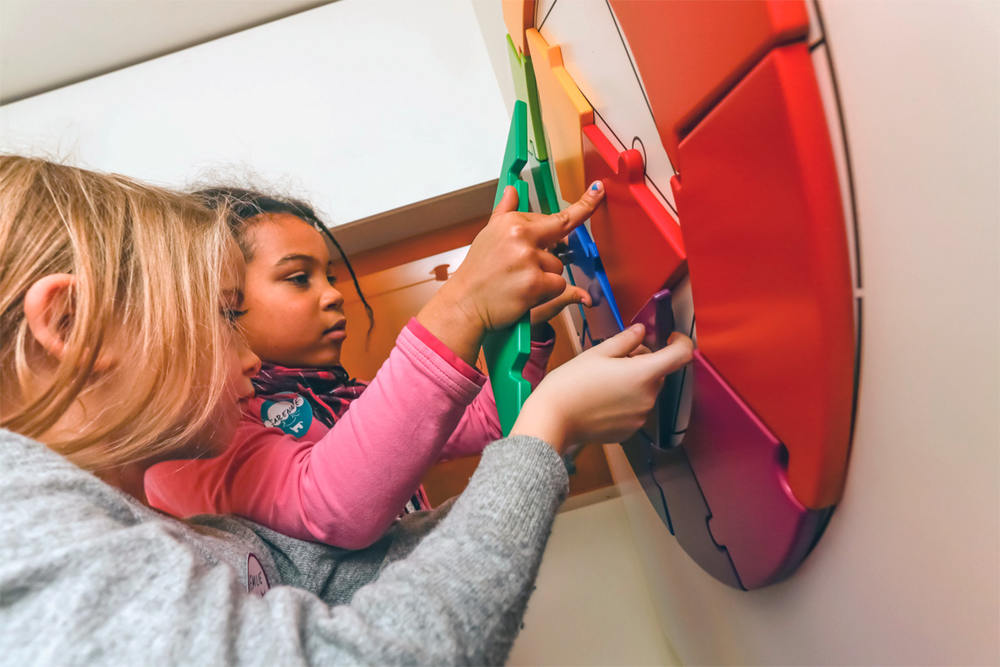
(622, 343)
(551, 228)
(572, 294)
(550, 286)
(549, 262)
(669, 359)
(508, 202)
(544, 312)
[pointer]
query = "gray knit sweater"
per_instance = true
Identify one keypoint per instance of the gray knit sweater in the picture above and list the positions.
(90, 576)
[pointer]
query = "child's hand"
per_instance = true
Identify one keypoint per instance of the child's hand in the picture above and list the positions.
(507, 271)
(546, 311)
(602, 395)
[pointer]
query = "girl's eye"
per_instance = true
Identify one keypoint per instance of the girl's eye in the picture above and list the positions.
(232, 315)
(331, 279)
(300, 279)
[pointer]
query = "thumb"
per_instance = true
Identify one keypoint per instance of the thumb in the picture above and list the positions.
(508, 202)
(669, 359)
(623, 343)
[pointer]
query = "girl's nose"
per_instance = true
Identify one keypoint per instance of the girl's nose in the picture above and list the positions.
(332, 299)
(249, 362)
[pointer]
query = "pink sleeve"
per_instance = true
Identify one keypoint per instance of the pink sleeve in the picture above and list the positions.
(349, 486)
(480, 424)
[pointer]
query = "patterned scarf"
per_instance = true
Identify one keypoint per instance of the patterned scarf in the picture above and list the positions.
(329, 392)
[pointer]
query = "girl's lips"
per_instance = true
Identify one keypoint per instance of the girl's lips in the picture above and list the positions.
(337, 332)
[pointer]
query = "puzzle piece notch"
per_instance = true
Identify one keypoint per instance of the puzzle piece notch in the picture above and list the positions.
(507, 350)
(515, 154)
(631, 167)
(506, 353)
(526, 90)
(564, 112)
(740, 468)
(769, 266)
(690, 53)
(640, 243)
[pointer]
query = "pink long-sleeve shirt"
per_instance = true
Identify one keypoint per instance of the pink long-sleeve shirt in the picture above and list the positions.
(345, 485)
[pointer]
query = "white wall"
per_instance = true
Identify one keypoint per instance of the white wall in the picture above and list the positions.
(53, 43)
(908, 571)
(360, 106)
(591, 605)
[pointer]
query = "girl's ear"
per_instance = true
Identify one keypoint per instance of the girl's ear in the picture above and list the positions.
(48, 309)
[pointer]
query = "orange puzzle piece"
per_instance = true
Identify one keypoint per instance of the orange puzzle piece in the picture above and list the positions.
(564, 113)
(518, 16)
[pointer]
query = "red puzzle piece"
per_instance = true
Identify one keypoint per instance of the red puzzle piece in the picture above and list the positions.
(690, 52)
(640, 244)
(770, 276)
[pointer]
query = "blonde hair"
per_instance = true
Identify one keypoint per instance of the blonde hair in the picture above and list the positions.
(147, 265)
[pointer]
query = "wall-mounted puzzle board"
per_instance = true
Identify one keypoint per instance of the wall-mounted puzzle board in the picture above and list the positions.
(724, 216)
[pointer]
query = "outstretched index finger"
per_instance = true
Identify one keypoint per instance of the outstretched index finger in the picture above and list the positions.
(553, 227)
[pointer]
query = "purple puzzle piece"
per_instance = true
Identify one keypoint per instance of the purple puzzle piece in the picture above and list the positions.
(638, 455)
(740, 466)
(657, 315)
(689, 514)
(668, 481)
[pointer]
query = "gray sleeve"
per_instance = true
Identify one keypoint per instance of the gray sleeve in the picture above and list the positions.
(84, 579)
(459, 597)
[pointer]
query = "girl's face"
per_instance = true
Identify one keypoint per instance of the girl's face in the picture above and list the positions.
(294, 314)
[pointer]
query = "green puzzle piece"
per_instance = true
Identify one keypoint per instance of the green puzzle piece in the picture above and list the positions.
(541, 175)
(527, 91)
(507, 350)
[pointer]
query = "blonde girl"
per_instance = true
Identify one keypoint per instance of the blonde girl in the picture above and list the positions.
(117, 305)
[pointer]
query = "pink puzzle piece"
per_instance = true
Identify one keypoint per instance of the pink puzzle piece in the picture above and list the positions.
(640, 244)
(740, 466)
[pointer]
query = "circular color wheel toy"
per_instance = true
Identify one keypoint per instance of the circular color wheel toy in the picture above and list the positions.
(745, 455)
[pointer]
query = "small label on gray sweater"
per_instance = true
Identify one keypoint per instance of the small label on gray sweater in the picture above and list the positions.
(257, 582)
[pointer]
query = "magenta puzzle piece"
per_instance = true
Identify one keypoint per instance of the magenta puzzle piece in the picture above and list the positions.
(741, 468)
(658, 318)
